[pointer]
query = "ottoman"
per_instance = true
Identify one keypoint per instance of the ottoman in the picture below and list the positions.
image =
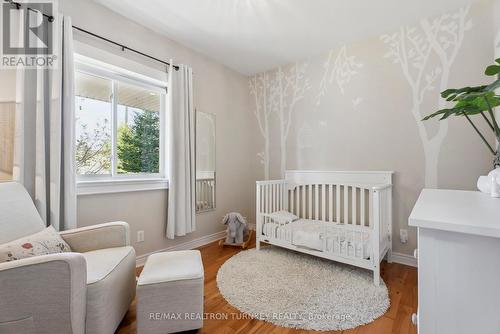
(170, 293)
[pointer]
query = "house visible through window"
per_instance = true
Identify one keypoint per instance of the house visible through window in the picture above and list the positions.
(118, 126)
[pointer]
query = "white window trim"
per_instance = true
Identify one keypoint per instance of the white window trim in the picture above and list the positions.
(120, 186)
(105, 184)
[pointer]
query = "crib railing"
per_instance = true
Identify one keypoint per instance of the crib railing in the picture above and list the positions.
(340, 203)
(205, 194)
(355, 205)
(271, 196)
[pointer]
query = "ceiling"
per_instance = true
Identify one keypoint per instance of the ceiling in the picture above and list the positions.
(252, 36)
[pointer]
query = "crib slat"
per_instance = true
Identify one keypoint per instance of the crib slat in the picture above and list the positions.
(274, 197)
(303, 195)
(282, 197)
(323, 202)
(353, 206)
(362, 220)
(291, 201)
(316, 201)
(297, 200)
(346, 204)
(370, 208)
(281, 201)
(268, 198)
(337, 199)
(309, 200)
(278, 199)
(330, 202)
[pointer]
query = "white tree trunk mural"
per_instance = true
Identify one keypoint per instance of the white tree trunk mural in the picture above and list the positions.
(339, 68)
(262, 90)
(290, 88)
(277, 94)
(414, 48)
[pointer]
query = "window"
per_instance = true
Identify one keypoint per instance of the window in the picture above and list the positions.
(118, 126)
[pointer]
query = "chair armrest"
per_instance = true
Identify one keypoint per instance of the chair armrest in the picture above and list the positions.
(44, 294)
(108, 235)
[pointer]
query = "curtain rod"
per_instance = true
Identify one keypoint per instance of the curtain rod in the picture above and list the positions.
(50, 18)
(124, 47)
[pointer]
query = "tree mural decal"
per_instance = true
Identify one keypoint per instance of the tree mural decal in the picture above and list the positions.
(291, 86)
(413, 48)
(262, 89)
(339, 68)
(497, 43)
(277, 94)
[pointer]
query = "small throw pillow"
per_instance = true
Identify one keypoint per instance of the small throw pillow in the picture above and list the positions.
(283, 217)
(44, 242)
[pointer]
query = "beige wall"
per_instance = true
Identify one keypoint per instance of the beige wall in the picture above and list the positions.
(496, 10)
(217, 90)
(353, 111)
(359, 108)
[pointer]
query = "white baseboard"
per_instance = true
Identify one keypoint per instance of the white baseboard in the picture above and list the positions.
(192, 244)
(405, 259)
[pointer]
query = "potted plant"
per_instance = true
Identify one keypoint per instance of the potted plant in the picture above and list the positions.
(479, 102)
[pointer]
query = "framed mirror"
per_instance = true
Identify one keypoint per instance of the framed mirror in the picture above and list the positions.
(205, 162)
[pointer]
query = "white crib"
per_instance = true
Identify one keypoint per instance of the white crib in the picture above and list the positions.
(350, 212)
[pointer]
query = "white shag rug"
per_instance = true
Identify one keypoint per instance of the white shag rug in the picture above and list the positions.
(291, 289)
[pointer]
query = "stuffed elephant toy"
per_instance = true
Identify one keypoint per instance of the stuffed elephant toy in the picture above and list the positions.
(237, 229)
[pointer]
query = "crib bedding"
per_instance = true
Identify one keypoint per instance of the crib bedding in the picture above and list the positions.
(322, 236)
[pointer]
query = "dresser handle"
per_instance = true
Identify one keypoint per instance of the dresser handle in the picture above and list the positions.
(415, 253)
(414, 319)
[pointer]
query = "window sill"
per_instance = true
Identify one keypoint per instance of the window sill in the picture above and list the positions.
(94, 187)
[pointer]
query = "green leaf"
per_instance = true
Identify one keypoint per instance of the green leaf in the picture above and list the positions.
(437, 113)
(492, 70)
(493, 86)
(449, 92)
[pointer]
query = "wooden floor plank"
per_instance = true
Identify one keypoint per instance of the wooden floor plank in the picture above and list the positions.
(400, 279)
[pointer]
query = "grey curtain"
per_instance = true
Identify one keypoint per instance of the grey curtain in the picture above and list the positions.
(44, 157)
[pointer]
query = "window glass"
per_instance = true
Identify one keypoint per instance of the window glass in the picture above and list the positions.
(138, 123)
(93, 109)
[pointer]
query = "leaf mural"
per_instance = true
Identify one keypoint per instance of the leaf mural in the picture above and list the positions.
(338, 68)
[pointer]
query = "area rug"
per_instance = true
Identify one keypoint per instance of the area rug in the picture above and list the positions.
(300, 291)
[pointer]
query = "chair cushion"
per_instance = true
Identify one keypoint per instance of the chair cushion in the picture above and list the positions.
(110, 288)
(18, 215)
(101, 262)
(47, 241)
(172, 266)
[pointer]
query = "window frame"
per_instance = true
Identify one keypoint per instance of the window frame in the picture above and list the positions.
(114, 182)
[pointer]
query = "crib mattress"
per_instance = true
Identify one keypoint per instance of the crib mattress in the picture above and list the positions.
(322, 236)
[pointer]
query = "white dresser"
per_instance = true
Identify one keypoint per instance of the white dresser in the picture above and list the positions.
(458, 262)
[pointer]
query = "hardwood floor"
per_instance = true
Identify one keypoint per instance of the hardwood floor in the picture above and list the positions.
(400, 279)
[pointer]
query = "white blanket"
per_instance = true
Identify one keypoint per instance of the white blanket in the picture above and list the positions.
(322, 236)
(308, 233)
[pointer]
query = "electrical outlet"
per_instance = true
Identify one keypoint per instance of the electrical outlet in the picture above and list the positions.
(140, 236)
(403, 236)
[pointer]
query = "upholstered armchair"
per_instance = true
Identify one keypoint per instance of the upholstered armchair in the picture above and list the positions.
(86, 291)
